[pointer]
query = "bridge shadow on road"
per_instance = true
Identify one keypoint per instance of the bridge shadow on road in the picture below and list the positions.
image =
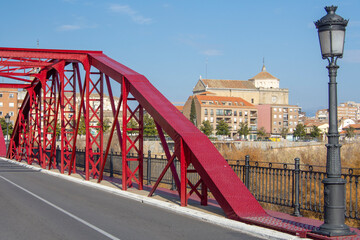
(9, 167)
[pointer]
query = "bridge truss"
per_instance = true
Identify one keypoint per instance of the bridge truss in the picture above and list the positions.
(52, 109)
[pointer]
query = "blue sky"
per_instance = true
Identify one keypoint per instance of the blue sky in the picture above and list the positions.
(172, 42)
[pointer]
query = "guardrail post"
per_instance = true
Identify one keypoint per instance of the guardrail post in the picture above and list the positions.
(57, 155)
(247, 171)
(296, 188)
(111, 164)
(149, 168)
(173, 187)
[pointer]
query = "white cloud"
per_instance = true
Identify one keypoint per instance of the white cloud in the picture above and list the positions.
(68, 27)
(212, 52)
(134, 15)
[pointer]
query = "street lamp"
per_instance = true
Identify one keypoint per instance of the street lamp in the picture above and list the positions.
(331, 29)
(7, 120)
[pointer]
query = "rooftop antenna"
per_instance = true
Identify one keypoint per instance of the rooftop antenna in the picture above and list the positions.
(37, 43)
(263, 67)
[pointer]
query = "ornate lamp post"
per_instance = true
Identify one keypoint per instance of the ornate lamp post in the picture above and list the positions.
(331, 29)
(7, 120)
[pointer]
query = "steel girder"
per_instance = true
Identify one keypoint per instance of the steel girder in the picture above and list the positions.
(56, 71)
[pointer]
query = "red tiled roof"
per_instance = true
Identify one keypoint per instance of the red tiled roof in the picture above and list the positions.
(217, 83)
(356, 126)
(264, 75)
(180, 108)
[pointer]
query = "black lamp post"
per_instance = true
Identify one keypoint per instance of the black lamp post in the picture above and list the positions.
(331, 29)
(7, 120)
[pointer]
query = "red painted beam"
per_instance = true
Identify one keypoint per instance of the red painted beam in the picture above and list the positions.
(231, 194)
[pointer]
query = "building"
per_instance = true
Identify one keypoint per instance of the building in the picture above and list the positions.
(355, 132)
(348, 110)
(263, 88)
(276, 117)
(322, 125)
(9, 103)
(233, 110)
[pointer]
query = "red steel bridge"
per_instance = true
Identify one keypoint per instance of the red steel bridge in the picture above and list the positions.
(53, 77)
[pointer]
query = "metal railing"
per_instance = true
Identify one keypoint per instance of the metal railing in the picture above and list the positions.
(294, 185)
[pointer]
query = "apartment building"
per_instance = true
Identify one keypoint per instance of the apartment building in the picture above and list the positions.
(275, 118)
(348, 110)
(233, 110)
(9, 103)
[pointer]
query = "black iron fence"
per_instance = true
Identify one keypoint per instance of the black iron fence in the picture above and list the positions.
(294, 185)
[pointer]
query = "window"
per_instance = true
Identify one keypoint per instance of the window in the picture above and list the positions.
(234, 120)
(275, 116)
(252, 100)
(280, 116)
(11, 104)
(1, 104)
(291, 116)
(205, 118)
(211, 112)
(279, 109)
(0, 94)
(275, 109)
(211, 119)
(240, 113)
(11, 114)
(235, 113)
(227, 112)
(291, 109)
(205, 111)
(11, 95)
(220, 112)
(245, 113)
(274, 123)
(279, 123)
(234, 127)
(1, 114)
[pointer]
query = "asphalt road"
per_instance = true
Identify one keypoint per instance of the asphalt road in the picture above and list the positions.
(34, 205)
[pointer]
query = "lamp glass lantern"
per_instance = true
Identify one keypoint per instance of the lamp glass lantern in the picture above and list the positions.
(7, 118)
(331, 30)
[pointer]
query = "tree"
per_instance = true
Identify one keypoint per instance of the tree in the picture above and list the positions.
(299, 131)
(193, 112)
(58, 130)
(284, 132)
(149, 126)
(315, 132)
(222, 128)
(82, 127)
(350, 132)
(206, 128)
(106, 125)
(244, 129)
(3, 127)
(261, 133)
(132, 124)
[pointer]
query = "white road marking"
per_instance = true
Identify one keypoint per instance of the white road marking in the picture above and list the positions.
(62, 210)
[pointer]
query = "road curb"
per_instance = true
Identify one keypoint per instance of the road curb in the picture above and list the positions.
(220, 221)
